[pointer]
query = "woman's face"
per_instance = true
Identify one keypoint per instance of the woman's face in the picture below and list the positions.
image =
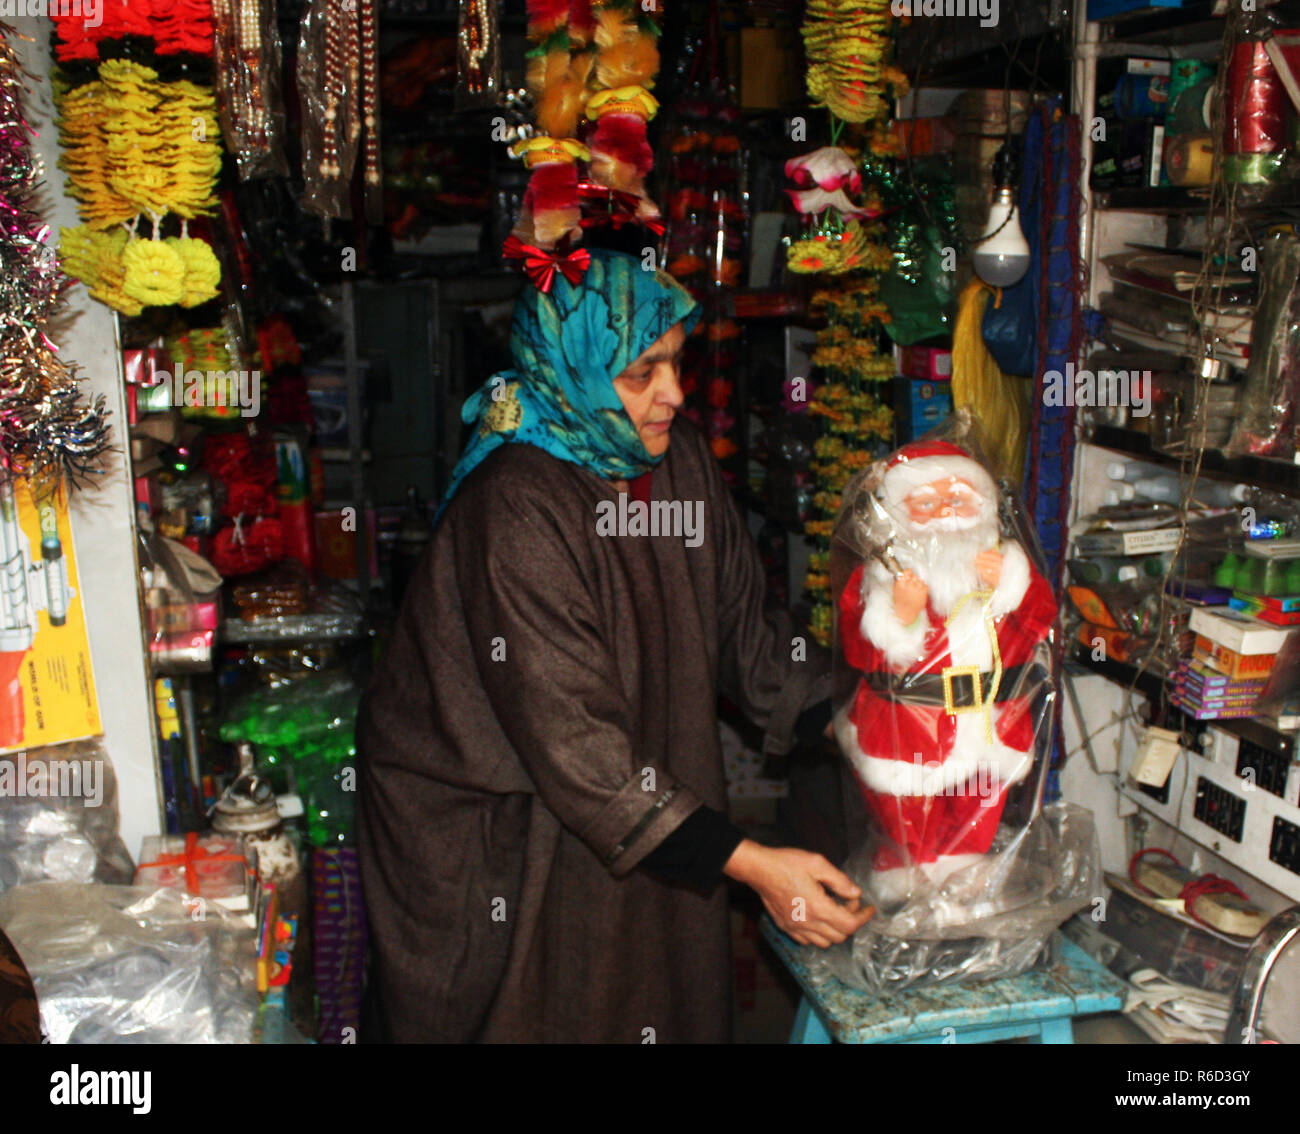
(650, 389)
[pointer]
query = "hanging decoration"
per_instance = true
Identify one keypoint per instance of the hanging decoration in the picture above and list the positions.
(627, 60)
(48, 428)
(246, 38)
(478, 47)
(591, 65)
(705, 240)
(559, 66)
(174, 27)
(338, 83)
(134, 148)
(838, 191)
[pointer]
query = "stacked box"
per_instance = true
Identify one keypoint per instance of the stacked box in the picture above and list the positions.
(339, 939)
(1204, 693)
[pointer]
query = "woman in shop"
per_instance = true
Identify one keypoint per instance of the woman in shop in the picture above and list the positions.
(542, 820)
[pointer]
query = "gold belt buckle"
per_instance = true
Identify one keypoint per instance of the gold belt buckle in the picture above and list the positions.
(971, 671)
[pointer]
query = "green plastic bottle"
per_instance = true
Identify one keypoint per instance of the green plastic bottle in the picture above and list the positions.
(1225, 574)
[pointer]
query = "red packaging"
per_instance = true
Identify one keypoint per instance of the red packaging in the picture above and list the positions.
(1255, 102)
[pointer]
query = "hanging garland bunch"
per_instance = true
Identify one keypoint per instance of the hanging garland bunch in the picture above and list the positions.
(848, 45)
(559, 66)
(47, 426)
(137, 147)
(175, 26)
(627, 61)
(590, 68)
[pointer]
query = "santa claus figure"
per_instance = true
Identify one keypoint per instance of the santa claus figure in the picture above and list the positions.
(946, 629)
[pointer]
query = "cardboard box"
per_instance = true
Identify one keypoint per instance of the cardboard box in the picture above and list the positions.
(1235, 665)
(930, 364)
(1240, 634)
(920, 405)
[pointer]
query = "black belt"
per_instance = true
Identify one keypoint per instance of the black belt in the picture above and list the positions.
(958, 688)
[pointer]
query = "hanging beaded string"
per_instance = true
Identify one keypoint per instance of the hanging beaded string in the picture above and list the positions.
(352, 61)
(370, 89)
(331, 87)
(250, 50)
(476, 42)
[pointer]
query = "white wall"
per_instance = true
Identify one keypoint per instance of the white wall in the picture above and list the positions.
(102, 517)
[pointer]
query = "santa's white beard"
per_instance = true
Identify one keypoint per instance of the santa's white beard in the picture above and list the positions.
(945, 559)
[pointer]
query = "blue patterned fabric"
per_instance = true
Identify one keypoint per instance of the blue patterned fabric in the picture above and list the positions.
(568, 346)
(1050, 182)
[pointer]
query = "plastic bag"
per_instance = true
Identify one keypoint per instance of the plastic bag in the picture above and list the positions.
(1266, 420)
(249, 100)
(309, 727)
(943, 697)
(58, 817)
(127, 964)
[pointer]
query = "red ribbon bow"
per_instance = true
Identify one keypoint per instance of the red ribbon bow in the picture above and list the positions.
(620, 208)
(542, 265)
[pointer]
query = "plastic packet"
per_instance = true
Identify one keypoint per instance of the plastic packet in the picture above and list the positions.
(310, 728)
(331, 125)
(1281, 696)
(59, 817)
(1266, 421)
(943, 698)
(180, 590)
(127, 964)
(250, 104)
(284, 605)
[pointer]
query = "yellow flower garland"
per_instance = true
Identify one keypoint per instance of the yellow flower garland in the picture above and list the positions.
(134, 145)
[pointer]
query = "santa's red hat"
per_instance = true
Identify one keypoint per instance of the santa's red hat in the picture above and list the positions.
(922, 462)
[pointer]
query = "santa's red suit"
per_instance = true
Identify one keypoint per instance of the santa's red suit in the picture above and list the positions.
(934, 781)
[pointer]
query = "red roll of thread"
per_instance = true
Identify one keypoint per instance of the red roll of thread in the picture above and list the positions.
(1256, 102)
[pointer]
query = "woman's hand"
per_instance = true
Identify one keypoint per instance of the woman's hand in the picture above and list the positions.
(790, 882)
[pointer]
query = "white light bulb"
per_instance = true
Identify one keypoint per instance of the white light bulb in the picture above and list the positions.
(1003, 259)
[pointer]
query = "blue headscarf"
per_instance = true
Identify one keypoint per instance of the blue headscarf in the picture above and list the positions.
(568, 345)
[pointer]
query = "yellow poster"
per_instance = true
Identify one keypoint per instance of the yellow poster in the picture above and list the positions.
(47, 689)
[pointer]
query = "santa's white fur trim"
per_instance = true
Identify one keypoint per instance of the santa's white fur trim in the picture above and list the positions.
(973, 757)
(901, 645)
(1014, 581)
(907, 476)
(894, 887)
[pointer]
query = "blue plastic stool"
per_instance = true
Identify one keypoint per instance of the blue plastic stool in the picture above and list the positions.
(1040, 1004)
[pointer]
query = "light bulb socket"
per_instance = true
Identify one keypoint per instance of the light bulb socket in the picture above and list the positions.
(1006, 164)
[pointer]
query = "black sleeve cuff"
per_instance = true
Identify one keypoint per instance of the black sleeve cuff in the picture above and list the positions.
(696, 852)
(811, 725)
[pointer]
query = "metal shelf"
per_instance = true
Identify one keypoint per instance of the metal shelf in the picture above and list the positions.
(1279, 476)
(1257, 730)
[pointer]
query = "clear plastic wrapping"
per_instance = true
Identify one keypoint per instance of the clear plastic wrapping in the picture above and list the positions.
(308, 727)
(127, 964)
(1266, 421)
(284, 604)
(943, 697)
(249, 100)
(58, 817)
(330, 107)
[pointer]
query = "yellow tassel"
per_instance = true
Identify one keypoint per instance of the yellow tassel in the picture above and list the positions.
(999, 401)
